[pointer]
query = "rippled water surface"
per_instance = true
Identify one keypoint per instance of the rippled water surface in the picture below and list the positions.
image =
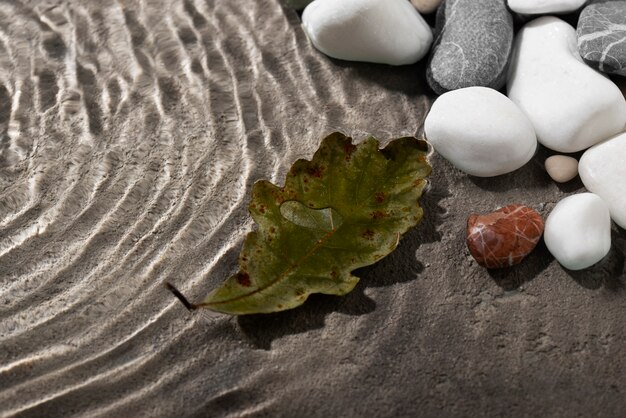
(130, 135)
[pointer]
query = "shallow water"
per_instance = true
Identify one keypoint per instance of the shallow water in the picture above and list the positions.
(130, 135)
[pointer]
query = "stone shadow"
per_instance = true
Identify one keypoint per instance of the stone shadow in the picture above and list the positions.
(512, 278)
(608, 272)
(407, 79)
(532, 173)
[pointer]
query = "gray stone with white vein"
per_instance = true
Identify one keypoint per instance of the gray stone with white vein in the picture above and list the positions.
(472, 47)
(602, 36)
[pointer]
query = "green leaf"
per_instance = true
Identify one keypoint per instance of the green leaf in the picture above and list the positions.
(344, 209)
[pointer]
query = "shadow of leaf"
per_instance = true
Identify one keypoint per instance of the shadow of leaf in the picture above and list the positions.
(261, 330)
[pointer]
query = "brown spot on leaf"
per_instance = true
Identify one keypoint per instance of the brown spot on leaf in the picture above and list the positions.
(334, 274)
(368, 234)
(262, 209)
(316, 171)
(379, 214)
(243, 279)
(277, 195)
(418, 182)
(272, 230)
(349, 148)
(279, 306)
(380, 197)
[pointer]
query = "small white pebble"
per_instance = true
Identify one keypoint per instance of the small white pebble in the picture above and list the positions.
(480, 131)
(386, 32)
(562, 168)
(426, 6)
(578, 231)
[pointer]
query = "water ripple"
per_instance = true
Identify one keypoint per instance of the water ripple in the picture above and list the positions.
(131, 133)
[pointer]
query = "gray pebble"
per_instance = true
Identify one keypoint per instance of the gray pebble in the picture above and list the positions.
(473, 43)
(602, 36)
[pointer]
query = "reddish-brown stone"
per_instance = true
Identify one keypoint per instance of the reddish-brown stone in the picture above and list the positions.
(505, 237)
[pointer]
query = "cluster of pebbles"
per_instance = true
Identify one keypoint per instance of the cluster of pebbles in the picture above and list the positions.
(557, 90)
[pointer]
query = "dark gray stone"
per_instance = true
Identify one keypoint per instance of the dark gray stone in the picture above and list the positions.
(602, 36)
(297, 4)
(472, 47)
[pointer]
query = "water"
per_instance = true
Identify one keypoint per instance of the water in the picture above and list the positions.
(130, 135)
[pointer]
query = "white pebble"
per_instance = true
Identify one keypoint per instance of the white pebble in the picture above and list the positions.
(532, 7)
(561, 168)
(603, 171)
(571, 106)
(426, 6)
(578, 231)
(480, 131)
(387, 32)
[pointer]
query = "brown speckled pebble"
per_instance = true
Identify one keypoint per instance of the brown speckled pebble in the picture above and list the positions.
(505, 237)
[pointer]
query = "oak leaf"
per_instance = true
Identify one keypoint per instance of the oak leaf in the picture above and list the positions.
(346, 208)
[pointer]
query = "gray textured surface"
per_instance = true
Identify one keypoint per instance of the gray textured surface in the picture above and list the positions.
(130, 134)
(472, 46)
(602, 36)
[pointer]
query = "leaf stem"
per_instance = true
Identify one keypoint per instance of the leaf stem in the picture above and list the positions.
(190, 306)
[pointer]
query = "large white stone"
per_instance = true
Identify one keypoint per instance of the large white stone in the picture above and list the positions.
(602, 169)
(387, 32)
(480, 131)
(578, 231)
(533, 7)
(571, 106)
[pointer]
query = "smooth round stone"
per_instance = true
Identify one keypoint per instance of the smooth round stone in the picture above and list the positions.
(578, 231)
(533, 7)
(388, 32)
(472, 47)
(603, 172)
(480, 131)
(505, 237)
(601, 31)
(571, 106)
(562, 168)
(426, 6)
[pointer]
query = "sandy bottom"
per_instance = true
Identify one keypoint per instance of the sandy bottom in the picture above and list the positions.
(130, 135)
